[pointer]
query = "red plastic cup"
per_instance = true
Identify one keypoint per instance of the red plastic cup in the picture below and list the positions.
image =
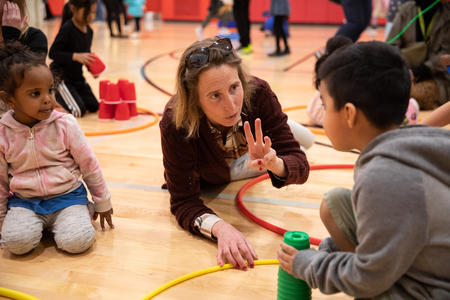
(122, 86)
(113, 94)
(127, 90)
(106, 111)
(103, 88)
(96, 67)
(122, 112)
(133, 109)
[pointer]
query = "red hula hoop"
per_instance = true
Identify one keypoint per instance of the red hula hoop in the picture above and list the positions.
(267, 225)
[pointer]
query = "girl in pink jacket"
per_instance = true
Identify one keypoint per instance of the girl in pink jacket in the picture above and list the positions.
(43, 156)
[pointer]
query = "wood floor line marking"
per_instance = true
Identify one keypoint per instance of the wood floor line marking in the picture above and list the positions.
(220, 195)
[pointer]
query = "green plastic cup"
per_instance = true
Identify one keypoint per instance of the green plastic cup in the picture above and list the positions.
(290, 287)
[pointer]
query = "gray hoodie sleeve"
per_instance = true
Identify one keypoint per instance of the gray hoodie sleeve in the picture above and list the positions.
(391, 218)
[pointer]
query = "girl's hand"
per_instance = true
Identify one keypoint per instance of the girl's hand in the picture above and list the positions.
(11, 16)
(262, 156)
(286, 256)
(104, 215)
(233, 247)
(84, 58)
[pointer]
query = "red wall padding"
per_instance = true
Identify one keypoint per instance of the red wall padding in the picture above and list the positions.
(56, 7)
(302, 11)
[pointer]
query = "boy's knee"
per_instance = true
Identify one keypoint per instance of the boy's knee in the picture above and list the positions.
(324, 212)
(77, 240)
(20, 242)
(333, 199)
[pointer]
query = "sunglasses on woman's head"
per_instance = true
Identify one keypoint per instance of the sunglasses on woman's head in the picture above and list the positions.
(201, 57)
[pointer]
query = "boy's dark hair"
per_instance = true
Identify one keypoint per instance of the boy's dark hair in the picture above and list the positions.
(332, 45)
(67, 13)
(15, 60)
(373, 76)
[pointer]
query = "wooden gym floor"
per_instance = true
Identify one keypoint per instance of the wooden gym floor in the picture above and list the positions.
(148, 248)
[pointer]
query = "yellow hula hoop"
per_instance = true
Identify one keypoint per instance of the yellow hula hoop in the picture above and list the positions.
(126, 130)
(313, 130)
(8, 293)
(203, 272)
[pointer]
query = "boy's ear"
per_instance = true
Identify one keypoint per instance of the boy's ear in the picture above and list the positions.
(350, 114)
(5, 97)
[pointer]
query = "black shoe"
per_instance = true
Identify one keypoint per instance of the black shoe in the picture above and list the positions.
(287, 51)
(276, 53)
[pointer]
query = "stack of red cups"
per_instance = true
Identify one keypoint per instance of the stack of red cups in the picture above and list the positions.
(117, 101)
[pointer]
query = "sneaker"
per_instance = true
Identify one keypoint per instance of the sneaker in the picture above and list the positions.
(287, 51)
(199, 32)
(135, 35)
(276, 53)
(246, 50)
(412, 113)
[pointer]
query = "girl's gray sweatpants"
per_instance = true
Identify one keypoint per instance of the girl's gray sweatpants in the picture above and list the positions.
(72, 229)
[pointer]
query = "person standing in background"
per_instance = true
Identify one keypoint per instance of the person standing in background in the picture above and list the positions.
(280, 10)
(358, 14)
(113, 11)
(242, 19)
(136, 10)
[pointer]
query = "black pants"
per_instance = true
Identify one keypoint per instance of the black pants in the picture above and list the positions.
(137, 27)
(76, 97)
(358, 14)
(113, 10)
(123, 11)
(242, 19)
(278, 30)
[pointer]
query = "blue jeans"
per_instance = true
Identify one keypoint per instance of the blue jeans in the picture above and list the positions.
(358, 14)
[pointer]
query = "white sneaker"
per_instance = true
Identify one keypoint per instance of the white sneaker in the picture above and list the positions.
(135, 35)
(199, 32)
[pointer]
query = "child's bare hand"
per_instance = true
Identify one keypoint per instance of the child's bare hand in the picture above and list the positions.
(84, 58)
(104, 215)
(286, 256)
(262, 155)
(11, 16)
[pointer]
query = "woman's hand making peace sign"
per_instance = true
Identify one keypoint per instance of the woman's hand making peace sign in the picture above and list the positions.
(262, 155)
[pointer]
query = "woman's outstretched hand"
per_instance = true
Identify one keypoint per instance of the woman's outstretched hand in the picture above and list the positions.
(262, 155)
(233, 247)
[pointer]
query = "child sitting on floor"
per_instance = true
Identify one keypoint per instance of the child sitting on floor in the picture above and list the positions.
(43, 154)
(390, 235)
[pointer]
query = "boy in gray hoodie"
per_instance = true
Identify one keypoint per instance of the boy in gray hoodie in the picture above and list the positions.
(390, 235)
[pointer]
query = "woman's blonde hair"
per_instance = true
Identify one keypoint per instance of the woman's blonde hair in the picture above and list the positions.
(187, 111)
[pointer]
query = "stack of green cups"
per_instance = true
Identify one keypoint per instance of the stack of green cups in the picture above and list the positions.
(290, 287)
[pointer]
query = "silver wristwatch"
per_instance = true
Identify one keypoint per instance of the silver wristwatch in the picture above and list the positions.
(205, 223)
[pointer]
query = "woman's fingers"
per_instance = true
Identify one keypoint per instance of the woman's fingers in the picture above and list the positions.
(249, 137)
(229, 257)
(258, 132)
(240, 262)
(267, 144)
